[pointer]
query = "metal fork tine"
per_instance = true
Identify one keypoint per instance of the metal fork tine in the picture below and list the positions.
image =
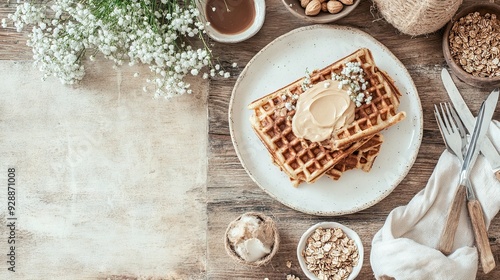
(446, 114)
(449, 129)
(441, 126)
(439, 118)
(460, 128)
(458, 121)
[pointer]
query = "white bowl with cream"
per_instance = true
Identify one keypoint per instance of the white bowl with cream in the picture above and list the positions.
(241, 22)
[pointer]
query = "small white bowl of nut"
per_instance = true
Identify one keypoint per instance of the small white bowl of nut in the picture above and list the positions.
(330, 250)
(320, 11)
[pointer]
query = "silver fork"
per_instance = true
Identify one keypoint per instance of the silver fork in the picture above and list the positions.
(455, 140)
(475, 210)
(461, 129)
(451, 128)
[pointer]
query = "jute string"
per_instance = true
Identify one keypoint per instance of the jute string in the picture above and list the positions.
(417, 17)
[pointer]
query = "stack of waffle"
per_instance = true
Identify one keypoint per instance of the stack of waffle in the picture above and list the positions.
(355, 145)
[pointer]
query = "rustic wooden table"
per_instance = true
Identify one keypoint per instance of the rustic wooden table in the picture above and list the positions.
(231, 192)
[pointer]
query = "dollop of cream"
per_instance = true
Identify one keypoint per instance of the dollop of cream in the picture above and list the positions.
(252, 250)
(320, 110)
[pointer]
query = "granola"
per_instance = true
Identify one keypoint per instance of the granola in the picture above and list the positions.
(330, 254)
(475, 44)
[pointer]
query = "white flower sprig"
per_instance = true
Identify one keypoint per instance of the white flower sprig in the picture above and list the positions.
(156, 33)
(352, 79)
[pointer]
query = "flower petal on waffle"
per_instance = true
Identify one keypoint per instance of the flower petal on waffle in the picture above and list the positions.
(380, 113)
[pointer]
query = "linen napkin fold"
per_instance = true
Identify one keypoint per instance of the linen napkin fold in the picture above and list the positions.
(405, 246)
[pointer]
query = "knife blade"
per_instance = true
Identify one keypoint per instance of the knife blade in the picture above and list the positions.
(479, 134)
(473, 206)
(487, 148)
(464, 190)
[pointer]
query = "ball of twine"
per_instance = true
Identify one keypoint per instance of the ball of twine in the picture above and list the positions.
(265, 219)
(414, 17)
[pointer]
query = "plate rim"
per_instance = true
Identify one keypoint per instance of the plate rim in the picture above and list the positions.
(406, 169)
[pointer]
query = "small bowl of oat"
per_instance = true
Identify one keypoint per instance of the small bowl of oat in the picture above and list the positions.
(320, 11)
(330, 250)
(471, 45)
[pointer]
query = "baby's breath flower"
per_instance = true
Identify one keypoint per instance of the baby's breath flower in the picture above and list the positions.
(306, 83)
(352, 79)
(137, 31)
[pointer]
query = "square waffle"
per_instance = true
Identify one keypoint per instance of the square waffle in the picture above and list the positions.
(303, 160)
(363, 158)
(377, 115)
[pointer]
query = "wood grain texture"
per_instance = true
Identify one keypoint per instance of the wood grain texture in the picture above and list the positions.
(481, 235)
(231, 192)
(450, 228)
(104, 191)
(12, 43)
(101, 184)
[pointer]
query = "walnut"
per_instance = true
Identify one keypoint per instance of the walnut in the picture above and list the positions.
(324, 7)
(313, 8)
(303, 3)
(334, 6)
(347, 2)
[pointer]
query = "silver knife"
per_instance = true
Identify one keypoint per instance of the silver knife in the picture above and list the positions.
(479, 134)
(475, 210)
(487, 148)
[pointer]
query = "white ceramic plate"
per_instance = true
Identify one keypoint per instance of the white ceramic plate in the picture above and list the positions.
(283, 61)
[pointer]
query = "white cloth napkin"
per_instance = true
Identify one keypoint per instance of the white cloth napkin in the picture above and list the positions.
(404, 248)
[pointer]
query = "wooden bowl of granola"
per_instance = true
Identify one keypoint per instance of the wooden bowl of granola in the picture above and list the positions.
(332, 243)
(471, 45)
(320, 11)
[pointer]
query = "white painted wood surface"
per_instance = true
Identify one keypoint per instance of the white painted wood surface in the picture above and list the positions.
(109, 182)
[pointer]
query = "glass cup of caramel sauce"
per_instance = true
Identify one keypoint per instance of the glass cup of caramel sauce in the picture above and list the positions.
(233, 20)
